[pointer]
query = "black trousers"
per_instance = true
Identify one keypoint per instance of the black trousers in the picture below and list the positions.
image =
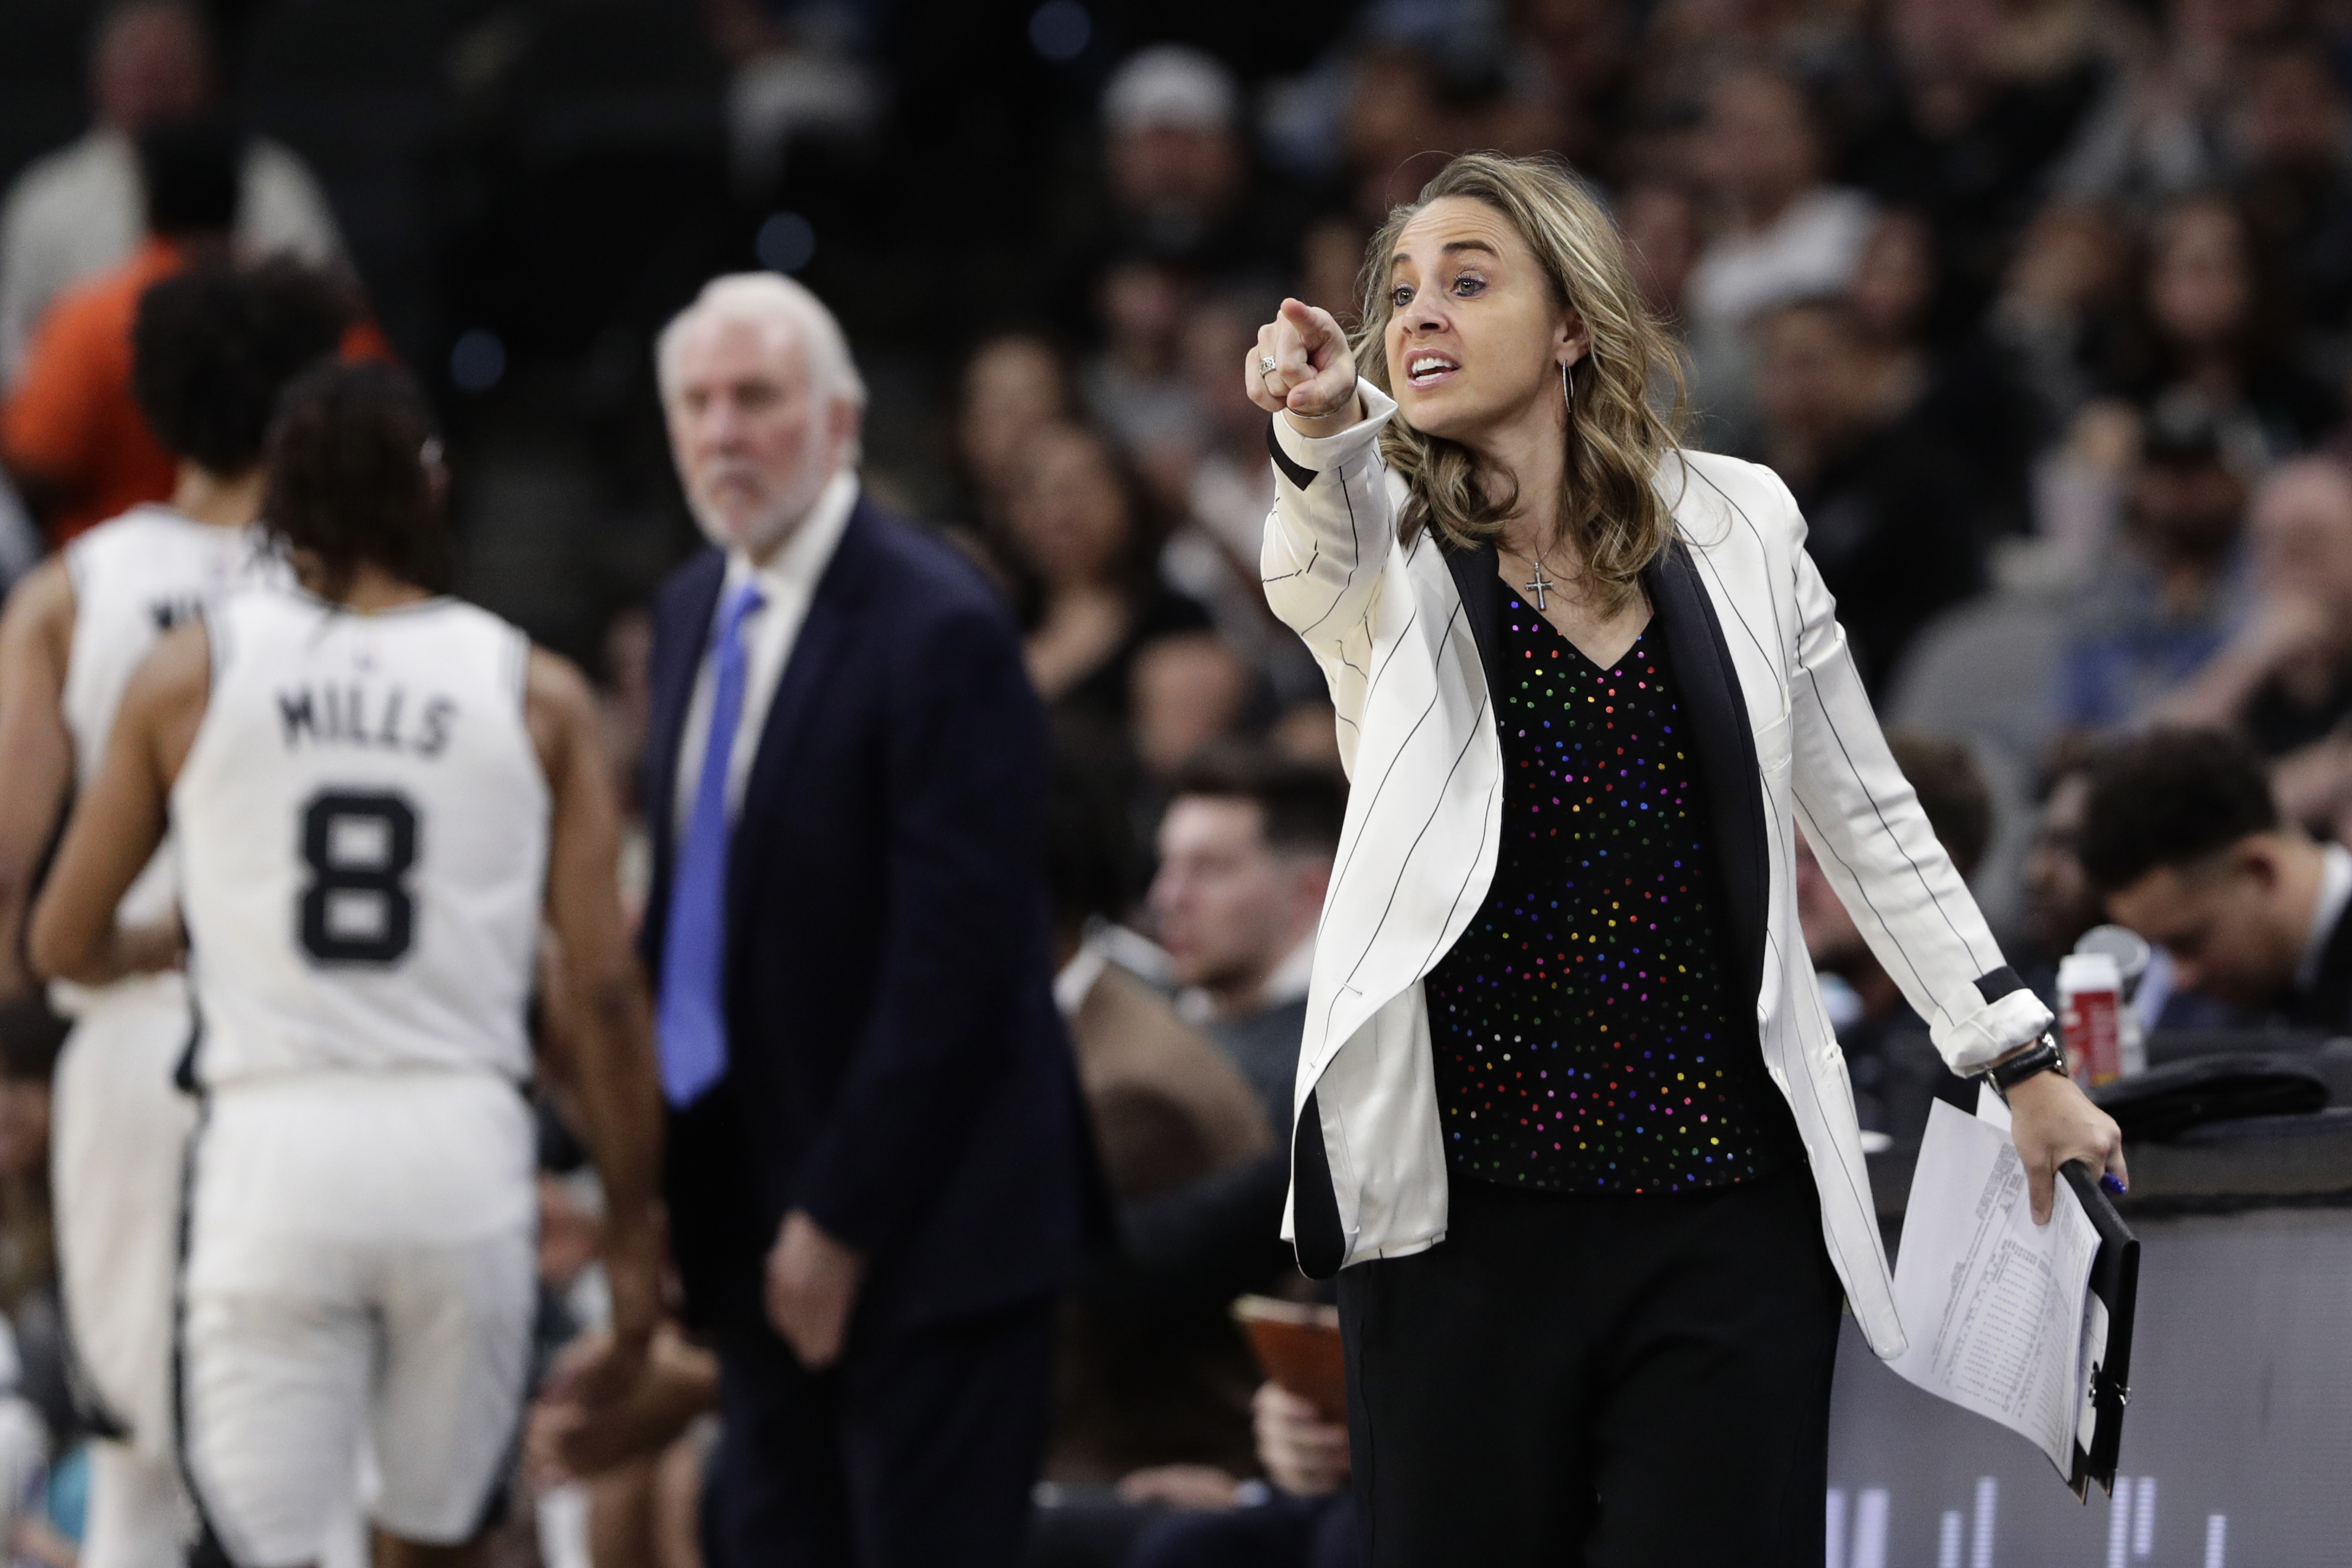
(913, 1451)
(1597, 1382)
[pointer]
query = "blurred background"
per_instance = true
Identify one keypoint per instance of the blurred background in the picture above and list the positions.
(2040, 307)
(2033, 302)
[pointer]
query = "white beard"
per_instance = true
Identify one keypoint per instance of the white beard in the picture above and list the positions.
(761, 535)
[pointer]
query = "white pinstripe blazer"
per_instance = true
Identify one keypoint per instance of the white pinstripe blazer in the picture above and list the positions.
(1403, 631)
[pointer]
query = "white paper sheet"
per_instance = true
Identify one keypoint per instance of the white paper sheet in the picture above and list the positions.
(1992, 1303)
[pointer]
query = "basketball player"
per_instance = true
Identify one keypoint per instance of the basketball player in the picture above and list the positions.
(376, 791)
(212, 347)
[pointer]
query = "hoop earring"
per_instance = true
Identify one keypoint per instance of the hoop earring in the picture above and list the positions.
(1568, 385)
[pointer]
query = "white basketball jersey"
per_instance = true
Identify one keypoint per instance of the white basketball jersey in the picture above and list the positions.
(135, 579)
(364, 823)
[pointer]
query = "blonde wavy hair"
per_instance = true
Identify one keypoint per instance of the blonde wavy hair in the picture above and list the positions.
(1609, 511)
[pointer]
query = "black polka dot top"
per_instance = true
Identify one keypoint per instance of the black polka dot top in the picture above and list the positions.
(1585, 1039)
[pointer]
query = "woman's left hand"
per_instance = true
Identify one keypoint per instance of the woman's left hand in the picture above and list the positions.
(2052, 1122)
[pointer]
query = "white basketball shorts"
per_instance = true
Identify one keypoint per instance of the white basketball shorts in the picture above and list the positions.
(361, 1262)
(118, 1136)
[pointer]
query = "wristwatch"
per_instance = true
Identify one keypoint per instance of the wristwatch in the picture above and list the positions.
(2042, 1055)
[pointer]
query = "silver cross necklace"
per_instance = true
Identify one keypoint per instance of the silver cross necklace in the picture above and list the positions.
(1540, 585)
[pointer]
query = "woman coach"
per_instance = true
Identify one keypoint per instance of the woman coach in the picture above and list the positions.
(1566, 1073)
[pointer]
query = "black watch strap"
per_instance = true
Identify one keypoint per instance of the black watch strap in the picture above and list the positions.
(2042, 1055)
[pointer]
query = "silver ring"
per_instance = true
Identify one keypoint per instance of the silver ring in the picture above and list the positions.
(1265, 365)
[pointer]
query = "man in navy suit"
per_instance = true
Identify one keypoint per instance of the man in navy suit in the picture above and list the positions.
(877, 1175)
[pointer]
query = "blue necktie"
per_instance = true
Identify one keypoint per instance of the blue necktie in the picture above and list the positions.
(692, 1021)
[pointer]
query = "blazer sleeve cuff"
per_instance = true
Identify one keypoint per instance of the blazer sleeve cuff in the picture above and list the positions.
(1299, 459)
(1975, 1043)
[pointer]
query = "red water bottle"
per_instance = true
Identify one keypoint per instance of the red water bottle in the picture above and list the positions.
(2089, 1006)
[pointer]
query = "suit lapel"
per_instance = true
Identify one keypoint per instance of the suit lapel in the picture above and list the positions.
(684, 639)
(1475, 576)
(1726, 748)
(674, 692)
(824, 634)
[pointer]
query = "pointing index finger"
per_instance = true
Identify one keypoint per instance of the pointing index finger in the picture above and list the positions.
(1312, 325)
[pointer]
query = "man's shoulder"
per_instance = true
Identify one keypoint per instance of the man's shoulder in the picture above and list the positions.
(53, 186)
(920, 576)
(929, 580)
(934, 568)
(695, 576)
(1277, 1024)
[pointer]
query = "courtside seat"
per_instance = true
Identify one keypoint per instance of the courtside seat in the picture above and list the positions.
(1981, 674)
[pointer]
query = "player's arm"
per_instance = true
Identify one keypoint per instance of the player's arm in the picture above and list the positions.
(36, 635)
(612, 1073)
(120, 820)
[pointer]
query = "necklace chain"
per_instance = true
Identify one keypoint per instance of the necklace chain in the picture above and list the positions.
(1540, 585)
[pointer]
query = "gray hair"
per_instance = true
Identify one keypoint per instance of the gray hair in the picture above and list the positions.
(765, 298)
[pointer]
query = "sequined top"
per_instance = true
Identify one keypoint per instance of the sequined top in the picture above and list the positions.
(1584, 1039)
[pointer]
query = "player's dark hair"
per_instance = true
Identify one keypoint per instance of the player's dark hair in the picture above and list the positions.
(353, 475)
(2170, 797)
(1951, 791)
(213, 346)
(192, 172)
(1304, 805)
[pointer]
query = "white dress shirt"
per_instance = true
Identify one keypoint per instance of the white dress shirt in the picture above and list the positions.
(2335, 892)
(787, 583)
(1075, 981)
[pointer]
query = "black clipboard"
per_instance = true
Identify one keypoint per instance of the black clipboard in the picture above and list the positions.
(2114, 1286)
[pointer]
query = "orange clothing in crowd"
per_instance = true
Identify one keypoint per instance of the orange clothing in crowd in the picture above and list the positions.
(72, 425)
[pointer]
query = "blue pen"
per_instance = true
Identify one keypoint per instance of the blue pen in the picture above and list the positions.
(2113, 1185)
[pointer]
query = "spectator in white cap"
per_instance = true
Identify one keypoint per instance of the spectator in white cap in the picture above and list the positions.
(1177, 172)
(1172, 85)
(1171, 144)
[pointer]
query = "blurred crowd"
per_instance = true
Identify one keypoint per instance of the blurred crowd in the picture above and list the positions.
(2039, 306)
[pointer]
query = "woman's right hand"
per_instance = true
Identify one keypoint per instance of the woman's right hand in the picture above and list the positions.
(1313, 381)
